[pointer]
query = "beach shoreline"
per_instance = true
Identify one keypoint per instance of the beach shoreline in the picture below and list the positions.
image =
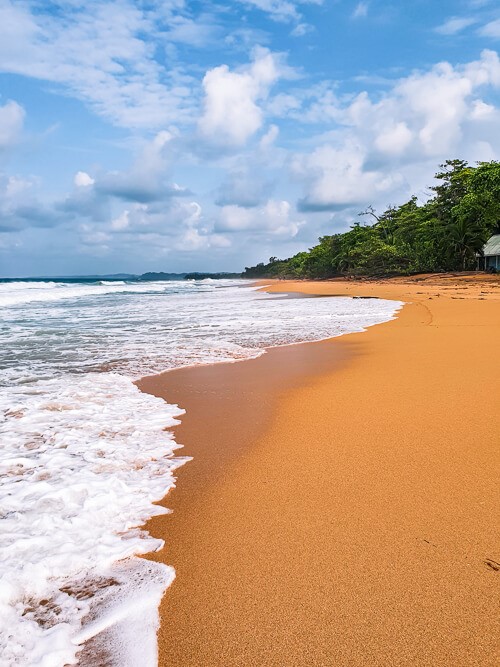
(339, 508)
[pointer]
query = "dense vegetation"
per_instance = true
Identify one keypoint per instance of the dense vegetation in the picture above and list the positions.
(443, 234)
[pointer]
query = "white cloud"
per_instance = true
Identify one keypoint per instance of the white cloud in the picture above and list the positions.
(219, 241)
(122, 221)
(395, 139)
(438, 102)
(177, 225)
(11, 123)
(426, 109)
(269, 138)
(103, 53)
(281, 10)
(483, 72)
(94, 200)
(195, 234)
(361, 10)
(231, 108)
(480, 110)
(423, 119)
(146, 180)
(282, 104)
(195, 33)
(337, 177)
(235, 218)
(97, 198)
(142, 217)
(491, 29)
(120, 58)
(455, 25)
(274, 218)
(20, 207)
(15, 186)
(302, 29)
(83, 180)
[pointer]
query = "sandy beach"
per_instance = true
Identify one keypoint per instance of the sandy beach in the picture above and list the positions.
(341, 505)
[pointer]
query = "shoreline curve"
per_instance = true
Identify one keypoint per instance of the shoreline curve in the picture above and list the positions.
(350, 521)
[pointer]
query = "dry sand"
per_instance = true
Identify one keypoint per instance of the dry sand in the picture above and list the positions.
(341, 508)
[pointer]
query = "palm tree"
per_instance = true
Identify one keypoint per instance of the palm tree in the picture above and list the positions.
(466, 240)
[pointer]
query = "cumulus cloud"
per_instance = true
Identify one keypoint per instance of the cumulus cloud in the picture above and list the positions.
(274, 218)
(425, 117)
(439, 101)
(95, 198)
(193, 235)
(232, 113)
(196, 233)
(83, 202)
(10, 188)
(394, 139)
(83, 180)
(20, 207)
(148, 178)
(337, 178)
(176, 225)
(11, 123)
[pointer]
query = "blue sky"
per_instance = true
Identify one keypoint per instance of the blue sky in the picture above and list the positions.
(178, 136)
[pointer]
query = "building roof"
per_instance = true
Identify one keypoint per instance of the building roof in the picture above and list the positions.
(492, 247)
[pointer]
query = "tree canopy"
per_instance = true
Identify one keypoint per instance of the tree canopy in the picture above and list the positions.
(443, 234)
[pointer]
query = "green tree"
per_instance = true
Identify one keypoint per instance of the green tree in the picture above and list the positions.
(445, 233)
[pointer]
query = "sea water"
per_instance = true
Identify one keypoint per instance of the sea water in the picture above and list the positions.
(84, 454)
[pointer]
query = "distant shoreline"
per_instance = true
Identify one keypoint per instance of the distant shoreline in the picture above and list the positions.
(119, 277)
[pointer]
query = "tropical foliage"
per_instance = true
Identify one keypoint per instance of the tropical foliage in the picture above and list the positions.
(446, 233)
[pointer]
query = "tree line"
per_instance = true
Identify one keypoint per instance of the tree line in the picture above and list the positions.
(445, 233)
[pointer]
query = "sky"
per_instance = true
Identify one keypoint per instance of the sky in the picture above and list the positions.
(174, 135)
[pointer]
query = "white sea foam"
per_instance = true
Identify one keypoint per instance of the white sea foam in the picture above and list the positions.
(18, 293)
(82, 463)
(84, 454)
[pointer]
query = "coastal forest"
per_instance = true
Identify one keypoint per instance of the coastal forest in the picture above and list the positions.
(445, 233)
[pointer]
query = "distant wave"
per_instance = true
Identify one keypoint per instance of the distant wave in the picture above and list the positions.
(17, 293)
(31, 284)
(112, 282)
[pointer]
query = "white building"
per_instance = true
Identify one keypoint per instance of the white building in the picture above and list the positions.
(491, 254)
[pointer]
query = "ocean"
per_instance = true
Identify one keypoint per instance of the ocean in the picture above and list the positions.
(84, 454)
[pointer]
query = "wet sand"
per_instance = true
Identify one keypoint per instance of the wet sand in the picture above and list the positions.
(341, 505)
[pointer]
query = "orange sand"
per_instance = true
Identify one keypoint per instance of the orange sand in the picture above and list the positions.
(341, 506)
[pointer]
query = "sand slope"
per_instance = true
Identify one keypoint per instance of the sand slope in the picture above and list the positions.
(352, 522)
